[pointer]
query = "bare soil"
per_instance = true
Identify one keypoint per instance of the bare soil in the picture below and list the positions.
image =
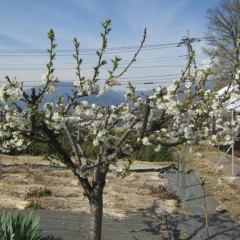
(30, 182)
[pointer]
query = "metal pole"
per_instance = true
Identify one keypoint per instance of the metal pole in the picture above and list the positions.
(179, 161)
(183, 175)
(223, 156)
(232, 146)
(202, 155)
(233, 174)
(0, 167)
(219, 154)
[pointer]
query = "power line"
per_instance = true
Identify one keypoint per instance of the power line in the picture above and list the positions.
(88, 49)
(85, 68)
(138, 79)
(147, 79)
(68, 52)
(151, 60)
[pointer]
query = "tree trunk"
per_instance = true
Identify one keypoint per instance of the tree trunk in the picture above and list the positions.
(96, 214)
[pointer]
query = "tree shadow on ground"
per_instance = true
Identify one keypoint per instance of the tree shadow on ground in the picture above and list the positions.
(189, 227)
(157, 224)
(50, 237)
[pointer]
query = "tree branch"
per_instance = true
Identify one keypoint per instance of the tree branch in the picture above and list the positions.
(74, 146)
(135, 55)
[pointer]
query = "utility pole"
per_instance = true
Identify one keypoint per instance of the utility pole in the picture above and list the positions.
(187, 41)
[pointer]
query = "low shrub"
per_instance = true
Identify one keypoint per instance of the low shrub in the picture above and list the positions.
(45, 192)
(41, 192)
(147, 153)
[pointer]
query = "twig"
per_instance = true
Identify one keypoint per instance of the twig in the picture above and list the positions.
(135, 55)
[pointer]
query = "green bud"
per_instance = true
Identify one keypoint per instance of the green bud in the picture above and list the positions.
(51, 34)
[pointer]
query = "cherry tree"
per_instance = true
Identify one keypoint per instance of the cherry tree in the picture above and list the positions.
(171, 116)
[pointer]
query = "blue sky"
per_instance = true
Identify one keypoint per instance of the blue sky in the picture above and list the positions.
(24, 25)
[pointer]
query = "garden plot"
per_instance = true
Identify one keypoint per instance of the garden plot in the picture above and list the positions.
(28, 185)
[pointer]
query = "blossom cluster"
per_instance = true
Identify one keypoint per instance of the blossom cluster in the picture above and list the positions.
(50, 82)
(99, 122)
(194, 113)
(84, 87)
(183, 112)
(12, 126)
(11, 92)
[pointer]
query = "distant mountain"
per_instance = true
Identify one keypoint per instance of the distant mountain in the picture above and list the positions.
(111, 97)
(65, 88)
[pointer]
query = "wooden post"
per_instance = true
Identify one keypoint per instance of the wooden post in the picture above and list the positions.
(205, 207)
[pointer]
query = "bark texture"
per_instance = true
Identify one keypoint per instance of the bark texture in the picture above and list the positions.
(96, 214)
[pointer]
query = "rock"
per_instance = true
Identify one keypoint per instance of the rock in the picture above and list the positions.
(219, 182)
(233, 180)
(221, 209)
